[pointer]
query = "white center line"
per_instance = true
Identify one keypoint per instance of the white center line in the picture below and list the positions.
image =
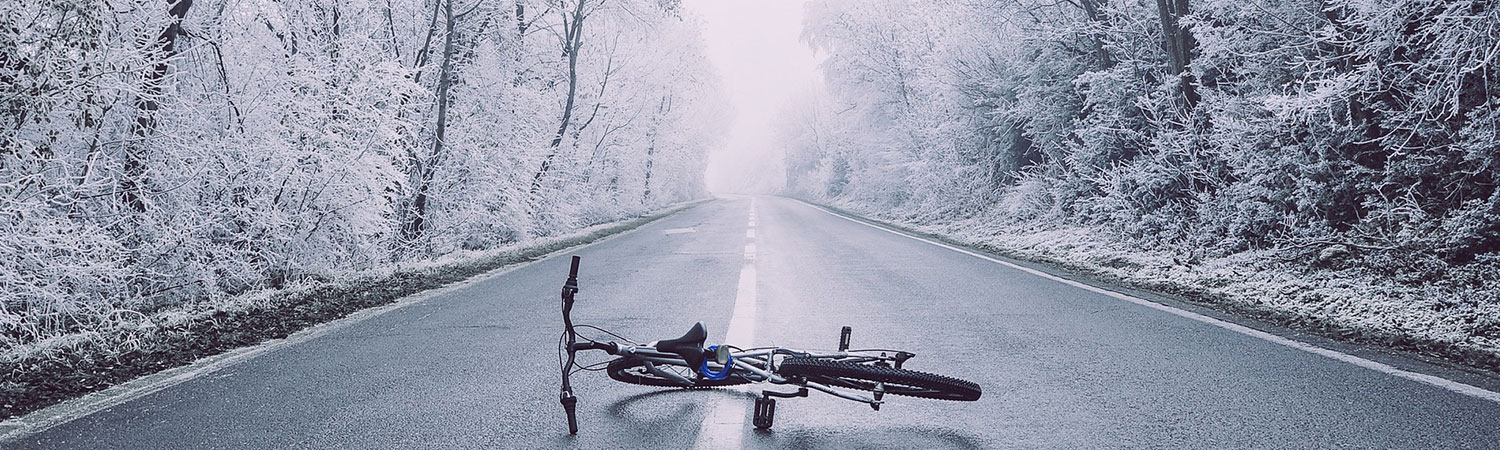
(724, 425)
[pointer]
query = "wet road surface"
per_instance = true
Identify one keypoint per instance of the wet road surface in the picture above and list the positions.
(1061, 367)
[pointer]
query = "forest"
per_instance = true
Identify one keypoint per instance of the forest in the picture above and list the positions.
(1328, 164)
(1331, 162)
(157, 154)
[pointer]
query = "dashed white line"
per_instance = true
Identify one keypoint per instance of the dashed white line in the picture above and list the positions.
(724, 425)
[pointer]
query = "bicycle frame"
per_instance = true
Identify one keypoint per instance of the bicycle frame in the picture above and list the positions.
(754, 365)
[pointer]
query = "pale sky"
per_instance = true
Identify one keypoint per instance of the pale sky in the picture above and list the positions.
(756, 47)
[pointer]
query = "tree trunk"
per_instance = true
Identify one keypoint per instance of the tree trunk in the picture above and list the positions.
(1179, 46)
(147, 104)
(661, 108)
(650, 155)
(426, 170)
(520, 18)
(1096, 17)
(571, 44)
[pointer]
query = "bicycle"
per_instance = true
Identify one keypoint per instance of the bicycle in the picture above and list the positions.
(685, 363)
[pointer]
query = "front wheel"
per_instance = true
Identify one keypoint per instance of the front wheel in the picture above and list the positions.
(634, 371)
(865, 377)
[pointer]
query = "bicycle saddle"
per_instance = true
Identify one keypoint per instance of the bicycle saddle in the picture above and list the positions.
(689, 346)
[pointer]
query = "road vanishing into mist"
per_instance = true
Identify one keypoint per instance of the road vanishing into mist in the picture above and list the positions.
(1061, 366)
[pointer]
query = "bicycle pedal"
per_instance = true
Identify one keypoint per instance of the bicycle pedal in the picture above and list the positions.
(765, 413)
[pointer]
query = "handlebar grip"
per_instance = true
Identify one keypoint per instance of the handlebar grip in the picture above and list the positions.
(570, 405)
(571, 287)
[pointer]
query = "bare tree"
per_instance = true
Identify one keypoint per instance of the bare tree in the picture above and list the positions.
(147, 104)
(1179, 45)
(661, 110)
(572, 43)
(424, 169)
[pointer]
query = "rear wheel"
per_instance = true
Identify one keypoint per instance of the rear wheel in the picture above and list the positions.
(633, 371)
(865, 377)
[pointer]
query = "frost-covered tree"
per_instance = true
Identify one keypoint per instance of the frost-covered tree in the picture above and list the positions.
(162, 152)
(1212, 127)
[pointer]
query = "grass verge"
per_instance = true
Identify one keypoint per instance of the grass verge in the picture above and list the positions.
(47, 373)
(1240, 288)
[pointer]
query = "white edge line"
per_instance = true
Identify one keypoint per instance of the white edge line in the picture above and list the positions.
(46, 418)
(1461, 388)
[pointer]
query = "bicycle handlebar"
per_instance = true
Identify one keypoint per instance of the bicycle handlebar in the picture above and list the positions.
(568, 400)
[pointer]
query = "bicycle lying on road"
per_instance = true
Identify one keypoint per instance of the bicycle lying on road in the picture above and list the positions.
(684, 363)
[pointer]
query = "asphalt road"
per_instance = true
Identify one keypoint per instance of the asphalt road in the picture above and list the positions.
(1061, 366)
